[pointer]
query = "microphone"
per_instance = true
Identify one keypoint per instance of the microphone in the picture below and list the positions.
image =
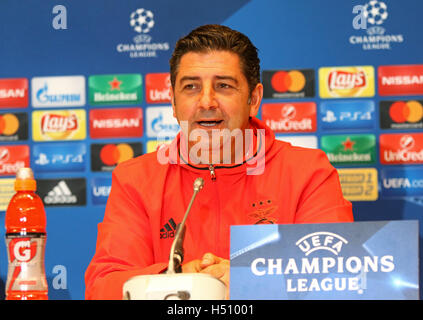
(177, 250)
(173, 284)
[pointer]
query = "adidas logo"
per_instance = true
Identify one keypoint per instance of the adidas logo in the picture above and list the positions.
(169, 230)
(60, 194)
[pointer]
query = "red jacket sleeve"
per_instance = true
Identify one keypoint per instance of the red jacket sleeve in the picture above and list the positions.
(321, 200)
(124, 244)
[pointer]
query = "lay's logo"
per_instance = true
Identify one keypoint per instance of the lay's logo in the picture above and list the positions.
(58, 125)
(343, 82)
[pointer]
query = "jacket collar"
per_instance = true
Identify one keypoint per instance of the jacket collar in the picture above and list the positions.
(263, 138)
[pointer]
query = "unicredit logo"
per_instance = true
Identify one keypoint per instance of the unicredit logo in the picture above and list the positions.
(401, 149)
(290, 117)
(4, 154)
(289, 111)
(407, 142)
(157, 87)
(12, 158)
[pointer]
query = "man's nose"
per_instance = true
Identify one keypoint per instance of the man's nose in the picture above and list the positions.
(208, 98)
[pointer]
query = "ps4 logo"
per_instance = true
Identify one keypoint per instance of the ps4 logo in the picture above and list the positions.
(57, 157)
(347, 116)
(43, 159)
(342, 115)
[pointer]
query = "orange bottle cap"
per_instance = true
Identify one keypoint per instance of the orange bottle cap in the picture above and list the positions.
(25, 180)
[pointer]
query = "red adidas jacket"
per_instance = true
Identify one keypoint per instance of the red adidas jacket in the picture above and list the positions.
(148, 199)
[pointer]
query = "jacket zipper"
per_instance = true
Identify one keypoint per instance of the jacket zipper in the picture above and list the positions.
(212, 172)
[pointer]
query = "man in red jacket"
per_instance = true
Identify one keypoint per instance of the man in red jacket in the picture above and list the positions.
(249, 177)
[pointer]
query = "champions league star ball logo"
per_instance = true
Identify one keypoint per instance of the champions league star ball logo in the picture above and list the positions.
(370, 17)
(375, 12)
(142, 20)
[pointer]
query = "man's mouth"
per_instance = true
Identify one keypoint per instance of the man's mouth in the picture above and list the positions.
(209, 123)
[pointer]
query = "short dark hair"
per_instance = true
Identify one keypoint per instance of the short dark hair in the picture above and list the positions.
(217, 37)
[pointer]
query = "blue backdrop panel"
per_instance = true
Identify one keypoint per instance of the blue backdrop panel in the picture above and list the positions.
(301, 34)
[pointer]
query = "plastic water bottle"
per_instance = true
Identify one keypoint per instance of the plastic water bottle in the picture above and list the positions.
(25, 240)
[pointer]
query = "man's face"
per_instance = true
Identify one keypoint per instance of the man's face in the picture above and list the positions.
(211, 92)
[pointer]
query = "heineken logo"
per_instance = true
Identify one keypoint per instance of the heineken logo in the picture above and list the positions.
(117, 88)
(349, 149)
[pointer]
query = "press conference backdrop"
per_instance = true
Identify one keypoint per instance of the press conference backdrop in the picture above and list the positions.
(85, 85)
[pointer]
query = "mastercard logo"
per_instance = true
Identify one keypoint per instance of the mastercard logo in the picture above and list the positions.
(288, 81)
(411, 111)
(9, 124)
(112, 154)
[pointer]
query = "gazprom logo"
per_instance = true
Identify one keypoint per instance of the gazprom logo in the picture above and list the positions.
(321, 241)
(44, 97)
(63, 91)
(161, 123)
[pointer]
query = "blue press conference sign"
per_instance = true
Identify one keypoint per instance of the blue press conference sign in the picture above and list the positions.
(360, 260)
(59, 157)
(351, 114)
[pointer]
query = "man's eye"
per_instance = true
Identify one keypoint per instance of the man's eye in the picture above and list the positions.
(223, 86)
(190, 86)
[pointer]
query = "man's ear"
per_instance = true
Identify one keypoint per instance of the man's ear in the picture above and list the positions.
(255, 99)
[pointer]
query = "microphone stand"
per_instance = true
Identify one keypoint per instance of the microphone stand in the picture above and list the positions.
(177, 250)
(174, 284)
